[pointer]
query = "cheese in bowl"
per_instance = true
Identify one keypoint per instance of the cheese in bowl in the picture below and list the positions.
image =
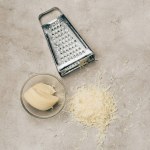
(41, 96)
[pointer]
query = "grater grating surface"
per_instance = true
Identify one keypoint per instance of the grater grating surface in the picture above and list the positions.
(68, 48)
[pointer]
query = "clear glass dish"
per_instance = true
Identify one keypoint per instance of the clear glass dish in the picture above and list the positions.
(60, 92)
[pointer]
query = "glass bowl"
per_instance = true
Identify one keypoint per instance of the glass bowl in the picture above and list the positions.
(60, 93)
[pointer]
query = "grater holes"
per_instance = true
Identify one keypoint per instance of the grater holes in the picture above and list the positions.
(68, 45)
(62, 42)
(80, 53)
(65, 45)
(83, 51)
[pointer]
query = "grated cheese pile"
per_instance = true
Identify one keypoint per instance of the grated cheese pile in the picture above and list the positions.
(93, 106)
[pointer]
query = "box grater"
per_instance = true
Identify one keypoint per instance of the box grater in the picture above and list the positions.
(69, 50)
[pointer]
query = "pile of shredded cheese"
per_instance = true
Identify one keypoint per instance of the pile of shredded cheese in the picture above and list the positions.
(93, 106)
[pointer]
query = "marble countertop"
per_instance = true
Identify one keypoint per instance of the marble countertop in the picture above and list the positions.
(119, 34)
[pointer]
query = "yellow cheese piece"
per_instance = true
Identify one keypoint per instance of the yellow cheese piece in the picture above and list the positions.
(43, 88)
(41, 101)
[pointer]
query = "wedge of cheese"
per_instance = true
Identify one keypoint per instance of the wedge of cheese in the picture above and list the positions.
(40, 97)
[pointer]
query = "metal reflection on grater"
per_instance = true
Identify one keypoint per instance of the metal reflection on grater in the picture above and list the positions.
(69, 50)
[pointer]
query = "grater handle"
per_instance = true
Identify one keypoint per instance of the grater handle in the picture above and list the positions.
(48, 12)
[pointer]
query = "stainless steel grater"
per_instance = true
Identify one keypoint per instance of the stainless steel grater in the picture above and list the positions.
(69, 50)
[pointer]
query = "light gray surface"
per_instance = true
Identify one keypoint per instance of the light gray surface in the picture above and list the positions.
(118, 32)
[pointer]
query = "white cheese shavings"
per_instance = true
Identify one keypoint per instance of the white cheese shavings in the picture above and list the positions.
(93, 106)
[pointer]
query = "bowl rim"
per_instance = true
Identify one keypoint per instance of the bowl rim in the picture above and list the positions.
(25, 106)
